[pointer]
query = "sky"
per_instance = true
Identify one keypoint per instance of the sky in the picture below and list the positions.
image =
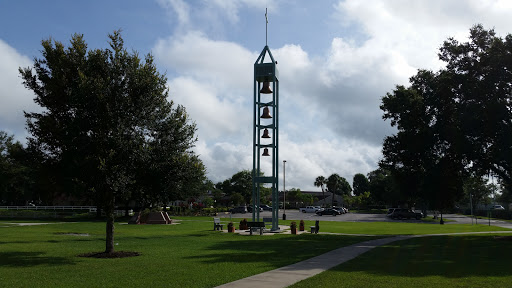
(336, 60)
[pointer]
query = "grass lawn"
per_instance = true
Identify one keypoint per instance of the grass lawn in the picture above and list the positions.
(186, 255)
(440, 261)
(399, 228)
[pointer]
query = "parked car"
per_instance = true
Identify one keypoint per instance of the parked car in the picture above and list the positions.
(401, 213)
(266, 207)
(310, 209)
(249, 208)
(328, 211)
(497, 207)
(239, 209)
(341, 209)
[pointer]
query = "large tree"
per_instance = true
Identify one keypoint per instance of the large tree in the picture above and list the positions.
(108, 123)
(338, 185)
(241, 182)
(481, 70)
(476, 191)
(427, 149)
(16, 183)
(455, 122)
(382, 188)
(360, 184)
(320, 181)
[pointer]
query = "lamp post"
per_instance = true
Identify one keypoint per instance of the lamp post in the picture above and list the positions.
(284, 189)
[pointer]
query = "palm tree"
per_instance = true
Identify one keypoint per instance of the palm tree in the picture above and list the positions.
(320, 182)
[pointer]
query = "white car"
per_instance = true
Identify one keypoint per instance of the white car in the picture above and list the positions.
(497, 207)
(309, 209)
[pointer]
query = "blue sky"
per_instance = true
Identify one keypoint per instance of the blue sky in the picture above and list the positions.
(336, 60)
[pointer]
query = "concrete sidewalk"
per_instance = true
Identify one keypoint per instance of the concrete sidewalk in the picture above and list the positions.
(288, 275)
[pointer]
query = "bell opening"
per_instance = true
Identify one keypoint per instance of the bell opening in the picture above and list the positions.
(265, 134)
(266, 113)
(266, 88)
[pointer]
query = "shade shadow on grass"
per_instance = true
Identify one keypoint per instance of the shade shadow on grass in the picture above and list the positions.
(449, 256)
(277, 250)
(28, 259)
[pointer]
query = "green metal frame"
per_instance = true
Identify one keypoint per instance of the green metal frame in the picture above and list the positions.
(265, 72)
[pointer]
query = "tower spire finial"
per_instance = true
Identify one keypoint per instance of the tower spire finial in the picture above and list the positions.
(266, 28)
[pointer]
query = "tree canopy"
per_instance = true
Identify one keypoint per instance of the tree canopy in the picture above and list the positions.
(320, 181)
(360, 184)
(16, 184)
(241, 183)
(453, 123)
(338, 185)
(108, 124)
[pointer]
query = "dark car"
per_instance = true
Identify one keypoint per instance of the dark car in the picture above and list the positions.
(239, 209)
(328, 211)
(403, 213)
(266, 207)
(249, 208)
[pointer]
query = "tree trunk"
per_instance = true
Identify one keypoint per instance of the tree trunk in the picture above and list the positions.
(323, 194)
(109, 243)
(110, 213)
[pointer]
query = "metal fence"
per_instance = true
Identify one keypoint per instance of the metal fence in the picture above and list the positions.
(53, 208)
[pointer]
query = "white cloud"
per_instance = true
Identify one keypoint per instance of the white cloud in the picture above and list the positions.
(14, 97)
(227, 64)
(321, 157)
(217, 117)
(178, 7)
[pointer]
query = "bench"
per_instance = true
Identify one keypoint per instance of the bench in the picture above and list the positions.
(216, 224)
(314, 229)
(256, 225)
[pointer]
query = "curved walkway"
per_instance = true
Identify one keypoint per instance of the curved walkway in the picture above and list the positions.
(288, 275)
(291, 274)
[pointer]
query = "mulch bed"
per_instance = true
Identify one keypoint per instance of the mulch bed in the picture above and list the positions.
(116, 254)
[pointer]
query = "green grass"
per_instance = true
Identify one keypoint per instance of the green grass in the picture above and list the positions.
(186, 255)
(441, 261)
(399, 228)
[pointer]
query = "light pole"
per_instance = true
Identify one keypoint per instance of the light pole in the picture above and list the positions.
(471, 205)
(284, 189)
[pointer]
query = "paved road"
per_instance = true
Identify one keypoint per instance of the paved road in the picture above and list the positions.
(461, 219)
(356, 217)
(296, 215)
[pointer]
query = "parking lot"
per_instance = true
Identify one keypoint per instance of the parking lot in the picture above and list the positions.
(296, 215)
(354, 217)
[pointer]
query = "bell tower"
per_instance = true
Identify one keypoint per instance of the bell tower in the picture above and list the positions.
(265, 132)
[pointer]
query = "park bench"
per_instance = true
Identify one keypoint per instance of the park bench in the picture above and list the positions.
(314, 229)
(255, 226)
(216, 224)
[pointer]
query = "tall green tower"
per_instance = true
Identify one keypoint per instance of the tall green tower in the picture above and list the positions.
(266, 132)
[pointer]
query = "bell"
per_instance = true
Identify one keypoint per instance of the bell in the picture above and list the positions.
(266, 113)
(265, 134)
(265, 152)
(266, 88)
